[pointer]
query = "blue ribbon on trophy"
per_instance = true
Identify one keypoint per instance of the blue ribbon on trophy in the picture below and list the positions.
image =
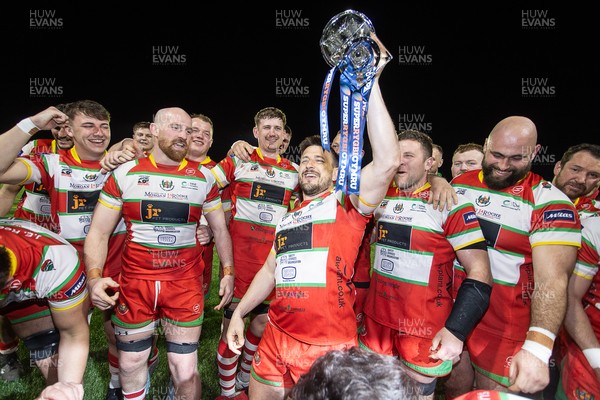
(349, 44)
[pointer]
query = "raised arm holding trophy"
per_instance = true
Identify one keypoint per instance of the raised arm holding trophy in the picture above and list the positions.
(349, 44)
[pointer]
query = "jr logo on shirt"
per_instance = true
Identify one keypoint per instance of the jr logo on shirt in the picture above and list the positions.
(169, 212)
(82, 202)
(294, 239)
(268, 193)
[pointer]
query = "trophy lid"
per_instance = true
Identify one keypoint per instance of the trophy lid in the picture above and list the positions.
(340, 33)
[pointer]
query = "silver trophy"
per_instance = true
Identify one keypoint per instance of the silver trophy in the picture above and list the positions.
(349, 43)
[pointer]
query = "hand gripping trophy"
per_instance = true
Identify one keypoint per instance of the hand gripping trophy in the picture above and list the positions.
(349, 44)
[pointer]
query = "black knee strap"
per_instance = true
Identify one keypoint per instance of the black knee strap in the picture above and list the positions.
(181, 348)
(42, 344)
(428, 388)
(135, 346)
(228, 313)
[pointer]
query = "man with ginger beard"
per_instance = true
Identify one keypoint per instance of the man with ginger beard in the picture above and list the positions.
(533, 233)
(161, 198)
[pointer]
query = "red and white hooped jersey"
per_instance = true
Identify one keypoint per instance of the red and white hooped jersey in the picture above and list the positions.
(411, 285)
(260, 191)
(74, 186)
(34, 204)
(531, 213)
(316, 245)
(162, 206)
(588, 263)
(43, 266)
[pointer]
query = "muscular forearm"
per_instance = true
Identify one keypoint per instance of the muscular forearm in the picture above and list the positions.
(8, 195)
(95, 251)
(11, 143)
(382, 134)
(549, 304)
(578, 325)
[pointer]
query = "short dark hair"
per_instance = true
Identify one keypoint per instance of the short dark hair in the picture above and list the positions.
(90, 108)
(202, 117)
(418, 136)
(288, 130)
(315, 140)
(355, 374)
(141, 125)
(593, 149)
(463, 148)
(268, 113)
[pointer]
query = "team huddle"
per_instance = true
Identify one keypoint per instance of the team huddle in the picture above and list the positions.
(479, 284)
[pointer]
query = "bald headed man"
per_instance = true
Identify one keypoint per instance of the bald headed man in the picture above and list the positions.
(533, 234)
(161, 198)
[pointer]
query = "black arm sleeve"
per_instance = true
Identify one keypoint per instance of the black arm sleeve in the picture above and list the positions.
(471, 303)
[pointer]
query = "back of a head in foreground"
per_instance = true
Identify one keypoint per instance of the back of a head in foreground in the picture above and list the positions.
(355, 374)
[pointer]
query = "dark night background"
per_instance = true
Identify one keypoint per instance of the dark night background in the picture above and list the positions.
(471, 66)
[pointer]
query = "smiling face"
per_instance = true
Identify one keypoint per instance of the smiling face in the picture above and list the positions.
(578, 176)
(509, 152)
(173, 129)
(414, 165)
(269, 133)
(91, 136)
(202, 139)
(63, 140)
(144, 138)
(466, 161)
(316, 171)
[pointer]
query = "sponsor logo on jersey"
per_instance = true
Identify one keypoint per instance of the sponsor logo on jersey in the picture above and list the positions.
(483, 201)
(418, 207)
(517, 189)
(394, 235)
(14, 285)
(167, 185)
(143, 180)
(294, 239)
(387, 265)
(77, 287)
(288, 273)
(559, 215)
(39, 188)
(166, 212)
(48, 265)
(66, 171)
(81, 202)
(469, 217)
(257, 358)
(90, 177)
(122, 309)
(189, 185)
(190, 171)
(267, 193)
(167, 239)
(171, 229)
(398, 208)
(265, 217)
(511, 204)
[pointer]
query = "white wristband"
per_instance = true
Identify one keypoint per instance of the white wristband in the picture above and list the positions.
(27, 126)
(543, 331)
(593, 356)
(538, 350)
